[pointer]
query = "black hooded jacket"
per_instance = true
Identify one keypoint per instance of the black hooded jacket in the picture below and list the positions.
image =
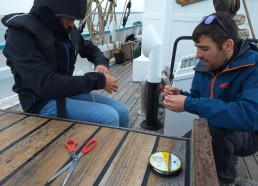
(41, 54)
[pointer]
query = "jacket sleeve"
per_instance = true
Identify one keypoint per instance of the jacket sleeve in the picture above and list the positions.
(88, 50)
(241, 115)
(35, 73)
(194, 92)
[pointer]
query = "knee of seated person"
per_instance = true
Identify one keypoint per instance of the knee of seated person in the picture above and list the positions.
(123, 112)
(112, 118)
(216, 131)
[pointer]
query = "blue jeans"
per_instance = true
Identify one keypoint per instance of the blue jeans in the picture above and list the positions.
(91, 107)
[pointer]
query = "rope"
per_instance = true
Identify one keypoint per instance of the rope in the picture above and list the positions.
(96, 31)
(129, 5)
(229, 6)
(249, 19)
(123, 14)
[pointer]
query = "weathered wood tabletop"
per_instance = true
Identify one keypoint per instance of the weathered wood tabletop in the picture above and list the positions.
(32, 150)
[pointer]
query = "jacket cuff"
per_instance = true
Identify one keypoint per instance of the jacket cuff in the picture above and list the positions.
(95, 80)
(190, 105)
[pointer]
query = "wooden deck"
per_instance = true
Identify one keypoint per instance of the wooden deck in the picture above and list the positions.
(130, 93)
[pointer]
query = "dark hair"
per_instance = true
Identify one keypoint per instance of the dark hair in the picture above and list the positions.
(215, 31)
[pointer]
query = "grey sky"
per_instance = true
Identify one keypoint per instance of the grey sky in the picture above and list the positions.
(13, 6)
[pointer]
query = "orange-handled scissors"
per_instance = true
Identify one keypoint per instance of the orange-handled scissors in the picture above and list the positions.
(71, 144)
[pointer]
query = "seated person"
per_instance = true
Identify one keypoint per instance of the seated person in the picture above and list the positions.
(41, 50)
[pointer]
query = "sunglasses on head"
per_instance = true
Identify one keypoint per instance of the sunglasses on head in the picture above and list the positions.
(207, 20)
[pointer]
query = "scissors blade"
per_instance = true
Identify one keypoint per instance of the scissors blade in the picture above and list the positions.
(59, 172)
(70, 171)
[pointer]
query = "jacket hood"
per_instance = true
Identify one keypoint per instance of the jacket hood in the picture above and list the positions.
(48, 10)
(75, 9)
(241, 48)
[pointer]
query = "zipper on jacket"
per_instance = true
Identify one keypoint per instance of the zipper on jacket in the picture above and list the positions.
(215, 77)
(212, 85)
(68, 57)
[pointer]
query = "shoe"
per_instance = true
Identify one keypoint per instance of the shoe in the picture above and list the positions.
(245, 182)
(222, 183)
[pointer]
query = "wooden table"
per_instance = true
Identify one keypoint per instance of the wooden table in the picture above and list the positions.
(32, 150)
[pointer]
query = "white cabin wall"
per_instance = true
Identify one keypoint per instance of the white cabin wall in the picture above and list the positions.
(182, 21)
(173, 20)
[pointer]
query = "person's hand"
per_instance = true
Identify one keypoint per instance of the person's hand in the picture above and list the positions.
(169, 90)
(174, 102)
(102, 69)
(111, 84)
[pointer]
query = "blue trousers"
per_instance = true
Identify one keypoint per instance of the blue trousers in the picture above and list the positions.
(92, 107)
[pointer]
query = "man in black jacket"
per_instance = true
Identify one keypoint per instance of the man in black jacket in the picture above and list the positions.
(41, 50)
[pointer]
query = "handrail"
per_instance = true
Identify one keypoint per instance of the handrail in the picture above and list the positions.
(174, 54)
(86, 34)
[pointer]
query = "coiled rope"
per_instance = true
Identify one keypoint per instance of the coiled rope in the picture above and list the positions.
(231, 7)
(96, 31)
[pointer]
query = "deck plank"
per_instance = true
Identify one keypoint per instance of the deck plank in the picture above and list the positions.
(133, 151)
(17, 131)
(252, 167)
(8, 120)
(242, 170)
(26, 149)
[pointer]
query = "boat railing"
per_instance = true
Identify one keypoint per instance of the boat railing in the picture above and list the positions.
(86, 34)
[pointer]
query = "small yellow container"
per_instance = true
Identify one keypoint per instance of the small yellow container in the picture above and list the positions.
(165, 163)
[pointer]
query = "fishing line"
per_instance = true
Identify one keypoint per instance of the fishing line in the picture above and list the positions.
(165, 163)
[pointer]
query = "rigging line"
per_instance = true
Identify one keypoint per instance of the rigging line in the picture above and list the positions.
(96, 35)
(110, 12)
(123, 14)
(117, 35)
(97, 31)
(125, 18)
(249, 19)
(84, 20)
